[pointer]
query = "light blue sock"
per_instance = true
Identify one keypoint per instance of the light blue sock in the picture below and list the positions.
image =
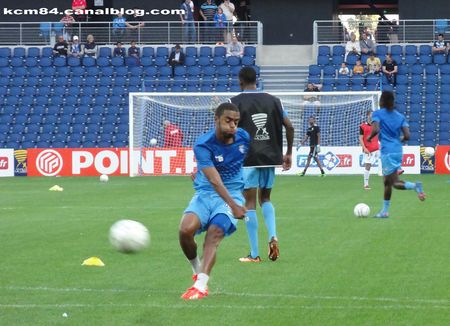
(269, 217)
(410, 185)
(252, 231)
(386, 204)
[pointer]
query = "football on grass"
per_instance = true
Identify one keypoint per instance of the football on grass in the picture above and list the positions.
(129, 236)
(361, 210)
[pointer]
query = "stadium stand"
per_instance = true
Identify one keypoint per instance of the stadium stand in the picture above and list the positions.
(59, 102)
(422, 90)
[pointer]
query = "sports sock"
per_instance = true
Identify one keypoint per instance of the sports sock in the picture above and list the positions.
(386, 204)
(195, 265)
(202, 282)
(410, 185)
(252, 231)
(366, 177)
(269, 217)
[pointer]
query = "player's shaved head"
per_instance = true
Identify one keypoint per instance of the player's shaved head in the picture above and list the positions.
(225, 107)
(387, 100)
(247, 76)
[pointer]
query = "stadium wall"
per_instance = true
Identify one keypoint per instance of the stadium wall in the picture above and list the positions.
(418, 9)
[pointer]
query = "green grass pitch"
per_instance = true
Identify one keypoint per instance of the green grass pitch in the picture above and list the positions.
(334, 269)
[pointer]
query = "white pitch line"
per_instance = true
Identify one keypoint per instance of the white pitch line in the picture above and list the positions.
(209, 306)
(445, 302)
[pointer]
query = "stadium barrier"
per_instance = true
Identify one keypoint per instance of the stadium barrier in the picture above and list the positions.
(180, 161)
(154, 32)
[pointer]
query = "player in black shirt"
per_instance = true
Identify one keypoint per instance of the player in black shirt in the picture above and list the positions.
(313, 133)
(263, 117)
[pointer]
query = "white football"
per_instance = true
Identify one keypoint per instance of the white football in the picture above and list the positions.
(104, 178)
(361, 210)
(153, 141)
(129, 236)
(429, 151)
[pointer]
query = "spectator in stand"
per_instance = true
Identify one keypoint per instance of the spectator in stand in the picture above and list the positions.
(343, 70)
(310, 87)
(119, 26)
(60, 48)
(352, 47)
(207, 10)
(176, 58)
(75, 48)
(373, 64)
(90, 48)
(78, 7)
(68, 21)
(235, 48)
(173, 135)
(187, 21)
(228, 10)
(243, 16)
(390, 69)
(135, 24)
(134, 51)
(440, 45)
(119, 51)
(367, 45)
(358, 69)
(221, 24)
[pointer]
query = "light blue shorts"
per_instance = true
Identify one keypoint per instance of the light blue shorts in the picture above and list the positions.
(391, 162)
(206, 205)
(259, 177)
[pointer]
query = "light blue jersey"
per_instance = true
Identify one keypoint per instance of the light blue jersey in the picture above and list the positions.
(227, 159)
(391, 123)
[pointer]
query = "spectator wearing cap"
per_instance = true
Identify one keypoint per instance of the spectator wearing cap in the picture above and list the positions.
(60, 48)
(75, 48)
(119, 51)
(176, 58)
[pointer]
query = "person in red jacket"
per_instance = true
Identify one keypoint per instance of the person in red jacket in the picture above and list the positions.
(173, 136)
(371, 149)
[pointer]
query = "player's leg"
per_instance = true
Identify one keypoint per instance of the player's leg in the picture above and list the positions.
(251, 183)
(406, 185)
(308, 161)
(316, 158)
(267, 177)
(189, 225)
(367, 167)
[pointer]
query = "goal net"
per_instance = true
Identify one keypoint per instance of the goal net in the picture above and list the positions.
(165, 126)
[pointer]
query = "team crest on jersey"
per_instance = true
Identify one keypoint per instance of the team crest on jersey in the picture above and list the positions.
(242, 149)
(260, 120)
(219, 158)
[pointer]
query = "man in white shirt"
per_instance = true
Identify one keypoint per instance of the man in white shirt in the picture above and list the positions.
(235, 48)
(352, 46)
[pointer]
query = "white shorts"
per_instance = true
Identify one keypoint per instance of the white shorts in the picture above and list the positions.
(372, 157)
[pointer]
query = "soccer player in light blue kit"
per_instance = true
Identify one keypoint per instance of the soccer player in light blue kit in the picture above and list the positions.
(390, 123)
(218, 201)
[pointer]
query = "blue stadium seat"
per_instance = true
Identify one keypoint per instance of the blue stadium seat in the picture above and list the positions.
(47, 52)
(233, 61)
(220, 51)
(439, 59)
(205, 51)
(204, 61)
(416, 69)
(73, 61)
(250, 51)
(146, 61)
(425, 59)
(34, 52)
(190, 61)
(381, 50)
(148, 51)
(59, 61)
(218, 61)
(410, 59)
(101, 62)
(105, 52)
(424, 50)
(5, 52)
(193, 71)
(160, 61)
(323, 60)
(117, 61)
(191, 51)
(31, 62)
(410, 49)
(162, 51)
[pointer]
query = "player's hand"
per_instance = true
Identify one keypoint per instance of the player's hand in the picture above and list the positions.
(287, 162)
(238, 211)
(318, 148)
(193, 174)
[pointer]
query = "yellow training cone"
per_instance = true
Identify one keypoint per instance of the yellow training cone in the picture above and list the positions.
(93, 261)
(56, 188)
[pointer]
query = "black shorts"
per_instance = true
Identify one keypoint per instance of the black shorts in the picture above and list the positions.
(312, 151)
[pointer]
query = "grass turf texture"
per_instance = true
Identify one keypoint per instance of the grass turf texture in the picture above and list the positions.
(334, 268)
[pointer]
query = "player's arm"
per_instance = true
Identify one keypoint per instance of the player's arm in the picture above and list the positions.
(375, 130)
(216, 181)
(287, 159)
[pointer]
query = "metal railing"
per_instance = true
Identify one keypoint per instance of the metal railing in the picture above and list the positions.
(168, 32)
(403, 31)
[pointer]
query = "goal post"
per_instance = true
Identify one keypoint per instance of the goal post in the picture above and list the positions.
(159, 116)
